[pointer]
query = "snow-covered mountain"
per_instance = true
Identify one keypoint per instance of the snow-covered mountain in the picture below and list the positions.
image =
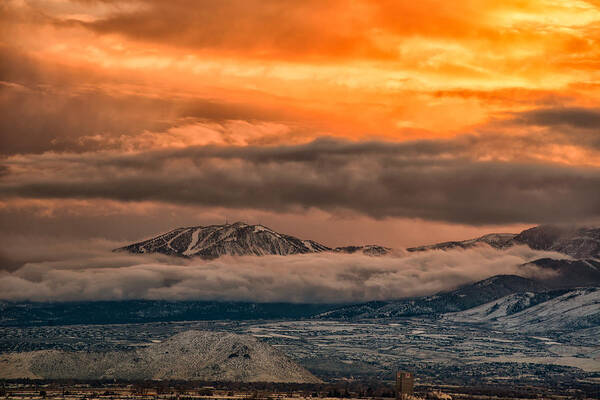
(577, 242)
(191, 355)
(537, 312)
(237, 239)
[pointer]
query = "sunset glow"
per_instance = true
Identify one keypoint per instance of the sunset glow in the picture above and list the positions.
(91, 88)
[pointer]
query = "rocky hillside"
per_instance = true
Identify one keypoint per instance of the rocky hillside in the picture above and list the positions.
(191, 355)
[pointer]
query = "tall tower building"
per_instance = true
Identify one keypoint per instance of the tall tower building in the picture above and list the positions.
(404, 384)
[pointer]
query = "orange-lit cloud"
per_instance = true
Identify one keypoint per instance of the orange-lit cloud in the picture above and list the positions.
(357, 68)
(514, 82)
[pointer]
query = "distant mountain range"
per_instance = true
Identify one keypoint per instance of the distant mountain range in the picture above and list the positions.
(238, 239)
(191, 355)
(581, 242)
(241, 239)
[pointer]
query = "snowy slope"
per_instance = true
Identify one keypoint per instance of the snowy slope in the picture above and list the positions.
(573, 310)
(537, 312)
(502, 307)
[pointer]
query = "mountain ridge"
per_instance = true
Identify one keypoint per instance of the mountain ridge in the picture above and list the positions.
(237, 239)
(577, 242)
(242, 239)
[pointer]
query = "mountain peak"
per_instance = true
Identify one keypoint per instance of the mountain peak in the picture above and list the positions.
(237, 239)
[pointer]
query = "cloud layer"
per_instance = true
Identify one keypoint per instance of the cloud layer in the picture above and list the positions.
(315, 278)
(433, 180)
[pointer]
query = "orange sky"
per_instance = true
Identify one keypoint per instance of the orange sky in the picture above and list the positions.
(517, 80)
(392, 70)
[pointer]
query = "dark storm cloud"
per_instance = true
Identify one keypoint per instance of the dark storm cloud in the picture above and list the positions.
(576, 117)
(433, 180)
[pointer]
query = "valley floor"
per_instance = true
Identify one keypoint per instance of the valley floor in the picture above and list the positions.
(438, 351)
